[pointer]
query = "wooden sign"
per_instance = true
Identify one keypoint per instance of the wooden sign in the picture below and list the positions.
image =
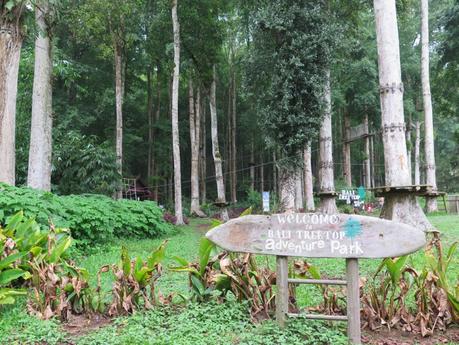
(316, 235)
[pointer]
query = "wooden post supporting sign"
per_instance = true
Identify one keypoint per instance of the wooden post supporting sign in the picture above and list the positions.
(315, 235)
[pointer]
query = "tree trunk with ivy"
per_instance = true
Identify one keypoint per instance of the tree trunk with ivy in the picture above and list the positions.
(299, 190)
(308, 180)
(175, 126)
(40, 152)
(326, 176)
(401, 207)
(429, 149)
(287, 189)
(11, 38)
(221, 199)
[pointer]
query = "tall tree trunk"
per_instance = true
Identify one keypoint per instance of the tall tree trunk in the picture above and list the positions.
(119, 109)
(431, 202)
(287, 189)
(373, 161)
(221, 199)
(326, 177)
(262, 174)
(10, 52)
(367, 156)
(252, 165)
(401, 207)
(417, 155)
(308, 184)
(39, 172)
(175, 126)
(233, 143)
(347, 172)
(409, 147)
(157, 114)
(150, 115)
(275, 187)
(299, 190)
(203, 151)
(195, 136)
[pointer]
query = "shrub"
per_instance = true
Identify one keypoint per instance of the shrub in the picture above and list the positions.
(92, 219)
(82, 165)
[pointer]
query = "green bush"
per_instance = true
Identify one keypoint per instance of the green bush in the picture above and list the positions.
(93, 219)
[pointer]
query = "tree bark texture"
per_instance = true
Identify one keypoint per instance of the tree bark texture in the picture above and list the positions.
(150, 115)
(175, 126)
(347, 172)
(366, 162)
(221, 199)
(308, 180)
(10, 52)
(429, 149)
(40, 151)
(203, 162)
(195, 136)
(299, 206)
(417, 155)
(287, 189)
(252, 165)
(233, 163)
(399, 207)
(326, 178)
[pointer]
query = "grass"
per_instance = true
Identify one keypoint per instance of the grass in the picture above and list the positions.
(227, 323)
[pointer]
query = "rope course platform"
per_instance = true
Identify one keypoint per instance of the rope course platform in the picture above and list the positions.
(420, 190)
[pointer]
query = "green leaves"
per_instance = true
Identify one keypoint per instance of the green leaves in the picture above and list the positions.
(10, 4)
(7, 295)
(9, 275)
(291, 52)
(395, 267)
(92, 219)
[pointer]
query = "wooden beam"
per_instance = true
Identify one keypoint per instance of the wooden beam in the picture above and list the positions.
(353, 301)
(319, 317)
(282, 289)
(318, 281)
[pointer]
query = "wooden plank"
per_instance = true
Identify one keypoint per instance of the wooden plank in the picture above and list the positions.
(319, 317)
(317, 235)
(318, 281)
(282, 289)
(353, 301)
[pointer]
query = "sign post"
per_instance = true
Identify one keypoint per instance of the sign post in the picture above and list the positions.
(265, 201)
(315, 235)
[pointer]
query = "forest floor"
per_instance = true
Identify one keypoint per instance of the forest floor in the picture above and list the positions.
(210, 323)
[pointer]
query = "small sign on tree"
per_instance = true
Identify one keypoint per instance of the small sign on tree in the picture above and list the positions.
(315, 235)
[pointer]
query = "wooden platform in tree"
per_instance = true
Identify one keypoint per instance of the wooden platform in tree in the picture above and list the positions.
(327, 194)
(420, 190)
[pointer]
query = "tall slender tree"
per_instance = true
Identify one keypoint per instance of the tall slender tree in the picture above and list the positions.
(401, 207)
(326, 176)
(195, 138)
(11, 37)
(221, 198)
(40, 152)
(429, 147)
(175, 126)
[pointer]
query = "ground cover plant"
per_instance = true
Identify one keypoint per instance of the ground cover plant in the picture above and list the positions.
(225, 323)
(92, 219)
